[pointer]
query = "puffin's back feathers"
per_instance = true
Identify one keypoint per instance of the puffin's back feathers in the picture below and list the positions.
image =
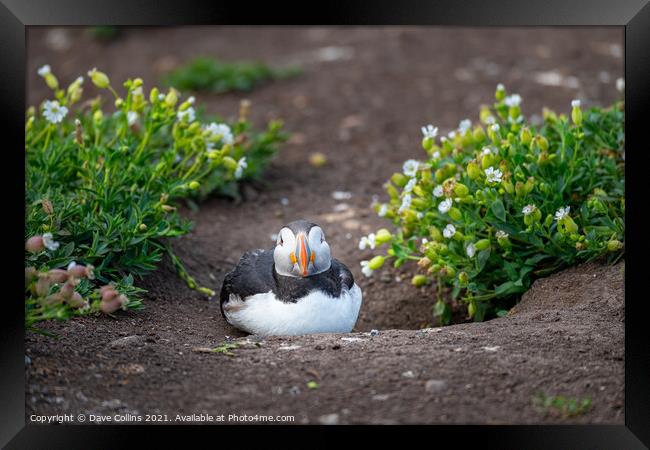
(255, 274)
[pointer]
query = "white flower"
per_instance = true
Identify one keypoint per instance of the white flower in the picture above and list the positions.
(495, 127)
(528, 209)
(430, 131)
(464, 125)
(241, 165)
(221, 129)
(80, 80)
(451, 134)
(562, 213)
(620, 84)
(137, 91)
(72, 265)
(470, 250)
(488, 150)
(44, 70)
(501, 234)
(189, 113)
(161, 96)
(410, 185)
(437, 191)
(367, 271)
(575, 103)
(436, 155)
(419, 215)
(513, 100)
(425, 241)
(445, 205)
(500, 87)
(493, 175)
(410, 167)
(490, 120)
(367, 241)
(449, 231)
(49, 242)
(406, 203)
(54, 112)
(131, 117)
(383, 209)
(191, 100)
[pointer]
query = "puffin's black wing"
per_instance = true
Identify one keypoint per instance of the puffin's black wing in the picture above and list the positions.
(252, 275)
(346, 276)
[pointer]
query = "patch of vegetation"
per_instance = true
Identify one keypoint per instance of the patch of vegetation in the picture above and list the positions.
(562, 406)
(102, 189)
(494, 206)
(210, 74)
(104, 33)
(225, 348)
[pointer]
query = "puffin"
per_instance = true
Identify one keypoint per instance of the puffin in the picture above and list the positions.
(296, 288)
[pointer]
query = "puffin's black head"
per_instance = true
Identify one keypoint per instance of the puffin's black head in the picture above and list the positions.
(301, 250)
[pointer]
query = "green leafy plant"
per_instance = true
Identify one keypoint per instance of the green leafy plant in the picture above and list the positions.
(562, 406)
(493, 208)
(102, 189)
(210, 74)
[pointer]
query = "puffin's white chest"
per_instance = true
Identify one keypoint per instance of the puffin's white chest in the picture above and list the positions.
(264, 314)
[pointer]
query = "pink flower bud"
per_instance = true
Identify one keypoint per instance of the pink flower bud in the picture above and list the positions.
(57, 275)
(35, 244)
(76, 300)
(110, 306)
(42, 286)
(67, 290)
(108, 293)
(77, 271)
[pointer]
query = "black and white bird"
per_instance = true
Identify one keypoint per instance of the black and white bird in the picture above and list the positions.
(296, 288)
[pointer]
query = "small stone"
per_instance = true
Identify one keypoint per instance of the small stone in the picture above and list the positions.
(127, 341)
(329, 419)
(380, 397)
(294, 390)
(408, 374)
(491, 349)
(435, 386)
(374, 332)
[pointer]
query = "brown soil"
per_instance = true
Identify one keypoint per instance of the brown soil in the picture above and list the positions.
(364, 114)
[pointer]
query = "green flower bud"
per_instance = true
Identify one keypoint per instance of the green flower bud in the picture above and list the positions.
(142, 227)
(455, 214)
(427, 143)
(376, 262)
(488, 160)
(51, 81)
(542, 142)
(461, 190)
(526, 136)
(194, 185)
(614, 245)
(548, 221)
(382, 236)
(576, 115)
(98, 116)
(229, 163)
(473, 171)
(449, 271)
(399, 179)
(520, 190)
(569, 225)
(392, 191)
(419, 280)
(471, 309)
(172, 97)
(508, 186)
(463, 277)
(118, 103)
(482, 244)
(434, 268)
(435, 234)
(500, 93)
(153, 95)
(439, 175)
(99, 79)
(479, 134)
(529, 185)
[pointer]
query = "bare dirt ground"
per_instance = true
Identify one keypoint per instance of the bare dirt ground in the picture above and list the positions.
(362, 96)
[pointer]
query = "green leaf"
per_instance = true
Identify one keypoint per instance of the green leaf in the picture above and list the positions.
(498, 210)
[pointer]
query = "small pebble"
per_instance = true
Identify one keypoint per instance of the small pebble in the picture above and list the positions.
(329, 419)
(374, 332)
(284, 201)
(408, 374)
(341, 195)
(434, 386)
(294, 390)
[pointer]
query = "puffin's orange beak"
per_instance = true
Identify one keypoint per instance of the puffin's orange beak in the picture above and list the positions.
(304, 253)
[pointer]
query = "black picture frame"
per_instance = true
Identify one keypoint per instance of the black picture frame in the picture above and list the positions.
(633, 15)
